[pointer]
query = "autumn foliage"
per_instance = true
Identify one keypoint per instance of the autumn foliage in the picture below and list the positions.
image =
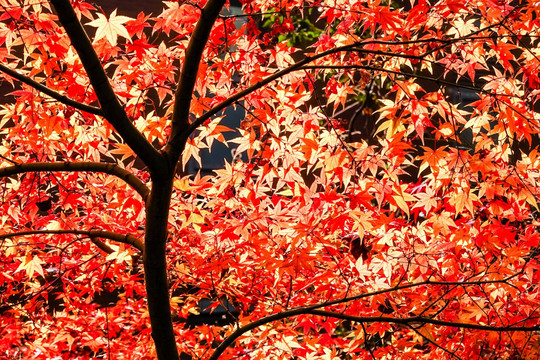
(417, 239)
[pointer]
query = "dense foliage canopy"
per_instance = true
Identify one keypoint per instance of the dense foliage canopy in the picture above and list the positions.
(380, 201)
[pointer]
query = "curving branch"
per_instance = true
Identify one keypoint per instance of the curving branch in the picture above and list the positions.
(258, 85)
(413, 285)
(314, 310)
(294, 67)
(400, 73)
(101, 245)
(110, 105)
(55, 95)
(108, 168)
(407, 75)
(358, 46)
(421, 320)
(109, 235)
(188, 77)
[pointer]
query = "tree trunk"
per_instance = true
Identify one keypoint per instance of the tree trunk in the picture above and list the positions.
(155, 268)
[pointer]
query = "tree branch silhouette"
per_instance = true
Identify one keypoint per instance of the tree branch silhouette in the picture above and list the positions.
(110, 235)
(47, 91)
(108, 168)
(109, 103)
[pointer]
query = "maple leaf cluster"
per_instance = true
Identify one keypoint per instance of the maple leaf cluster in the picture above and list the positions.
(420, 241)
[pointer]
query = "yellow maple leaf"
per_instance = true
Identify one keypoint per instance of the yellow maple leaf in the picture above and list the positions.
(401, 197)
(463, 200)
(31, 265)
(110, 28)
(427, 200)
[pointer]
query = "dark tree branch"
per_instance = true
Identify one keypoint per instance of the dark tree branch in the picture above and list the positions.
(188, 77)
(55, 95)
(413, 285)
(408, 75)
(157, 210)
(111, 107)
(155, 268)
(354, 47)
(313, 309)
(421, 320)
(101, 245)
(258, 85)
(108, 168)
(368, 319)
(122, 238)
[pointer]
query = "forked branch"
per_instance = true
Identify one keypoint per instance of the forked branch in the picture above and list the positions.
(109, 103)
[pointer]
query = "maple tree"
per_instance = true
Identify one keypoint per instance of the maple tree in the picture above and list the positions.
(418, 241)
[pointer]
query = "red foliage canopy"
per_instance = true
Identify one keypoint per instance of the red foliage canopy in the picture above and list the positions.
(416, 239)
